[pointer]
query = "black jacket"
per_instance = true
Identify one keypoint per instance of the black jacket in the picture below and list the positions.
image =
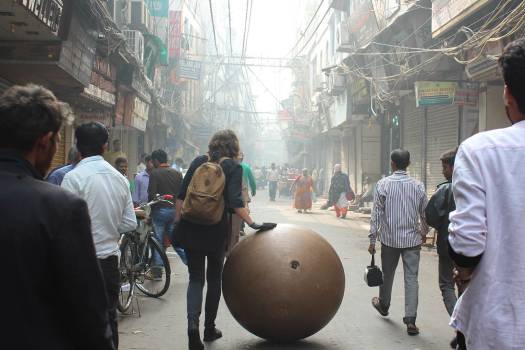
(437, 212)
(213, 238)
(53, 296)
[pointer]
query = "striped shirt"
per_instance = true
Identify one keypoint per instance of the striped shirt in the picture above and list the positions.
(398, 216)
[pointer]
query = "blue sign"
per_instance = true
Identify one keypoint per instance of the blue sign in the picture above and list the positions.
(159, 8)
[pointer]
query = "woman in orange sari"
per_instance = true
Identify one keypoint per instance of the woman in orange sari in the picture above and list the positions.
(303, 192)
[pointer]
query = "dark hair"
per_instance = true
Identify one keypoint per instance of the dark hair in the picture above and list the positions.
(224, 143)
(91, 138)
(401, 158)
(160, 155)
(147, 159)
(512, 63)
(120, 160)
(449, 157)
(26, 114)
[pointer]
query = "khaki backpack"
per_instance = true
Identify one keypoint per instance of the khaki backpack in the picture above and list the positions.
(204, 202)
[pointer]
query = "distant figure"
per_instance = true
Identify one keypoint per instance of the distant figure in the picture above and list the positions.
(115, 153)
(140, 193)
(56, 298)
(121, 164)
(398, 220)
(142, 163)
(303, 192)
(340, 192)
(273, 180)
(57, 175)
(178, 164)
(321, 182)
(315, 185)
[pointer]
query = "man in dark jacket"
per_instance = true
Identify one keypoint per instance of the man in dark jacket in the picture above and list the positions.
(56, 298)
(436, 212)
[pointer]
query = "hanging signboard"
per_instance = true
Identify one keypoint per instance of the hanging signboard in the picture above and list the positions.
(189, 69)
(448, 13)
(363, 22)
(467, 94)
(159, 8)
(434, 93)
(175, 33)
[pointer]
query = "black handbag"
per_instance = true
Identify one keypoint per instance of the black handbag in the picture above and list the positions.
(373, 274)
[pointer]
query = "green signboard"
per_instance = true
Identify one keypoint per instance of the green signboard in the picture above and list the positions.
(159, 8)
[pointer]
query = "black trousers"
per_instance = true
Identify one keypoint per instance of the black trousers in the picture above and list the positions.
(111, 274)
(198, 273)
(462, 345)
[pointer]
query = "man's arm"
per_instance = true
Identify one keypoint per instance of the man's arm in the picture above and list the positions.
(378, 210)
(423, 202)
(75, 263)
(129, 219)
(468, 223)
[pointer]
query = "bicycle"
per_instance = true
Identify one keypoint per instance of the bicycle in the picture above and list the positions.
(137, 250)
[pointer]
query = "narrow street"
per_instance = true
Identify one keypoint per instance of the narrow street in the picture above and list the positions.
(357, 325)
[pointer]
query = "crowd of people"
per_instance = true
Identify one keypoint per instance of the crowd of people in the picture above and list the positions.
(61, 248)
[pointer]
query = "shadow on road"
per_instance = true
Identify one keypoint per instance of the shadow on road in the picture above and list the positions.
(302, 344)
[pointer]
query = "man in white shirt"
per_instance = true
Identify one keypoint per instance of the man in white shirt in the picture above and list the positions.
(487, 234)
(108, 197)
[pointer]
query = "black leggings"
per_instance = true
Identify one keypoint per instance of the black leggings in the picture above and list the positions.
(213, 274)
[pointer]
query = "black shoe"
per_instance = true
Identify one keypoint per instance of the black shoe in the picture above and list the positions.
(211, 334)
(194, 340)
(454, 343)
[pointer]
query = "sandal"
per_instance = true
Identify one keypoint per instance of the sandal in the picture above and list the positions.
(412, 329)
(376, 303)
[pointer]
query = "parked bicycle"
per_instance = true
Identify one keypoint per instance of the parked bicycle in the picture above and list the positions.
(137, 250)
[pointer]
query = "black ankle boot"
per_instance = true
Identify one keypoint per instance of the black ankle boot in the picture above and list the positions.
(194, 338)
(211, 334)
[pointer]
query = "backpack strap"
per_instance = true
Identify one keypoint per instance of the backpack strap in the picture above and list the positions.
(223, 159)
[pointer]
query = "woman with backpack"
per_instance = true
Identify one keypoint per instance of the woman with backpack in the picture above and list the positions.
(211, 191)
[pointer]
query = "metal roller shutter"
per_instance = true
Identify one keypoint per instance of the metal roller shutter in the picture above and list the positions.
(442, 135)
(412, 138)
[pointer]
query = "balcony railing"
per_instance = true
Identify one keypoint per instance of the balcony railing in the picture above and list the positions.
(49, 12)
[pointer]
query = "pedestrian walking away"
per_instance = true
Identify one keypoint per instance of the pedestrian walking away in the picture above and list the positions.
(486, 238)
(273, 180)
(108, 197)
(140, 192)
(398, 221)
(57, 298)
(209, 242)
(340, 192)
(164, 180)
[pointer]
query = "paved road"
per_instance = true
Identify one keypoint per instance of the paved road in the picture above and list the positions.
(356, 325)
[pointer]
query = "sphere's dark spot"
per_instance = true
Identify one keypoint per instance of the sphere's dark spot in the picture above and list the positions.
(295, 264)
(207, 182)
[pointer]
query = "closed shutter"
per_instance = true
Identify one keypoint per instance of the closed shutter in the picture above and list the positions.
(442, 135)
(60, 156)
(413, 118)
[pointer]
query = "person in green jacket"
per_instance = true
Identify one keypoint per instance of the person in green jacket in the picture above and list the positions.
(249, 186)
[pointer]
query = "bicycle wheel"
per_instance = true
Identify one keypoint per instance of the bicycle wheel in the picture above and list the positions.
(128, 258)
(156, 279)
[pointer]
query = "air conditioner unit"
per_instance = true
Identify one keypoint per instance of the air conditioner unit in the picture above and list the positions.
(138, 15)
(135, 42)
(336, 83)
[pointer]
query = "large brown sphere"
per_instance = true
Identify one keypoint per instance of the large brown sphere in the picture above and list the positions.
(284, 284)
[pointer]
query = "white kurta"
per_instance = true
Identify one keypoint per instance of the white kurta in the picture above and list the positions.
(489, 189)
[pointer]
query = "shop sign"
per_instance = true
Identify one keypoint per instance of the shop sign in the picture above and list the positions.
(140, 114)
(435, 93)
(175, 34)
(159, 8)
(49, 12)
(189, 69)
(486, 64)
(85, 117)
(98, 93)
(448, 13)
(363, 22)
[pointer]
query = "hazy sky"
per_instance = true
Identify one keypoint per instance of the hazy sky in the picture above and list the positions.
(273, 32)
